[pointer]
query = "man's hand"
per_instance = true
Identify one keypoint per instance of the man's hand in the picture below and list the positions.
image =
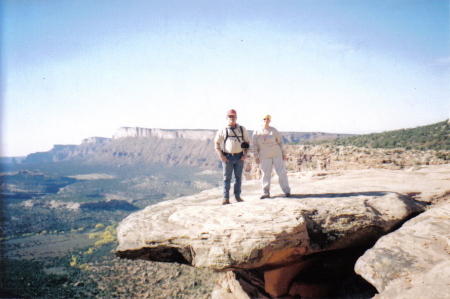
(244, 156)
(220, 153)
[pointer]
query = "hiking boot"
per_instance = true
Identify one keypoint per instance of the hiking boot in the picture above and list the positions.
(239, 199)
(225, 201)
(265, 196)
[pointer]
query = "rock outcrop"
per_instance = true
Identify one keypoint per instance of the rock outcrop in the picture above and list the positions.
(205, 234)
(414, 261)
(319, 157)
(330, 215)
(333, 158)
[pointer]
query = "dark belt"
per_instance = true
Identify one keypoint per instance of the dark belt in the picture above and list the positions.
(228, 154)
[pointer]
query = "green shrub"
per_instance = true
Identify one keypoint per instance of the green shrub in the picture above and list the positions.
(431, 137)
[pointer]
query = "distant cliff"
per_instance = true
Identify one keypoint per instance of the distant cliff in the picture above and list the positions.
(292, 137)
(164, 134)
(57, 153)
(133, 145)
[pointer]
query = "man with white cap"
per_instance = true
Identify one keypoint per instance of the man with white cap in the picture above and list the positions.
(232, 144)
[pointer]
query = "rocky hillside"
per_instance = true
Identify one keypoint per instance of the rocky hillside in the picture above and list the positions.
(331, 158)
(431, 137)
(323, 157)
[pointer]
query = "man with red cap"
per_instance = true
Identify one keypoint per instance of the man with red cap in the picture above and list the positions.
(232, 144)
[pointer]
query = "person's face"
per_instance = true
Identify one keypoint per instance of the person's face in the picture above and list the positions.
(266, 122)
(232, 120)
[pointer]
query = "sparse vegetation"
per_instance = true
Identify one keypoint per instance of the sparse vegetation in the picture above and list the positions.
(431, 137)
(101, 275)
(46, 247)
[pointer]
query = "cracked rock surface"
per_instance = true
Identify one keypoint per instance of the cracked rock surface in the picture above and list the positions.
(199, 231)
(328, 211)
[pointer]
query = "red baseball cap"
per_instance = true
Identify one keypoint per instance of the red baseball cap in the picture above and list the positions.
(231, 112)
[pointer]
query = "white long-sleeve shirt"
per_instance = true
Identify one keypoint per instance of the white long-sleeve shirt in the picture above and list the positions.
(267, 144)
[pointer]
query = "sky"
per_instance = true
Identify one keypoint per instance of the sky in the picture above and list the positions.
(73, 69)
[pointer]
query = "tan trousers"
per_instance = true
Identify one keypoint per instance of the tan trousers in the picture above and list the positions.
(280, 168)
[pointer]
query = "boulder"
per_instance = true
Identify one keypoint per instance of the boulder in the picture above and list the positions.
(298, 246)
(414, 261)
(203, 233)
(274, 234)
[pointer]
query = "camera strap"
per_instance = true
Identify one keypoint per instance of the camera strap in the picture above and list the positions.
(242, 133)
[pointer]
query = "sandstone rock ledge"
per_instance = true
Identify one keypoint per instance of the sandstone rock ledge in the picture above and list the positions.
(414, 261)
(279, 239)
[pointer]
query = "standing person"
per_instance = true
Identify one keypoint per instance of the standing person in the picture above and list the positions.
(268, 149)
(232, 144)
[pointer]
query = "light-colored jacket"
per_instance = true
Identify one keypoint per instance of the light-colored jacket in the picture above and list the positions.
(232, 145)
(269, 145)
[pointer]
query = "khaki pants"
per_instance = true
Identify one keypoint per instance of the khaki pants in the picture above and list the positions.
(280, 168)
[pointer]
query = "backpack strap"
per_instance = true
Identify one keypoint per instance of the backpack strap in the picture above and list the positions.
(226, 129)
(225, 141)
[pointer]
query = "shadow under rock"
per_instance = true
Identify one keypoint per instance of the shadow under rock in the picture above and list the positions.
(328, 275)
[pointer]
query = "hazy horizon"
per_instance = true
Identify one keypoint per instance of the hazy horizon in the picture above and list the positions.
(78, 69)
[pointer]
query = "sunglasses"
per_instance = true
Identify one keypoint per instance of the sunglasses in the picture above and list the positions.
(231, 116)
(265, 119)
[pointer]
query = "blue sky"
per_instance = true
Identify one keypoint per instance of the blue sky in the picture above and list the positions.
(72, 69)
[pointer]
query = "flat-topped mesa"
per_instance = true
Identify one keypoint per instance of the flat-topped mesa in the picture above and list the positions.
(164, 134)
(210, 134)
